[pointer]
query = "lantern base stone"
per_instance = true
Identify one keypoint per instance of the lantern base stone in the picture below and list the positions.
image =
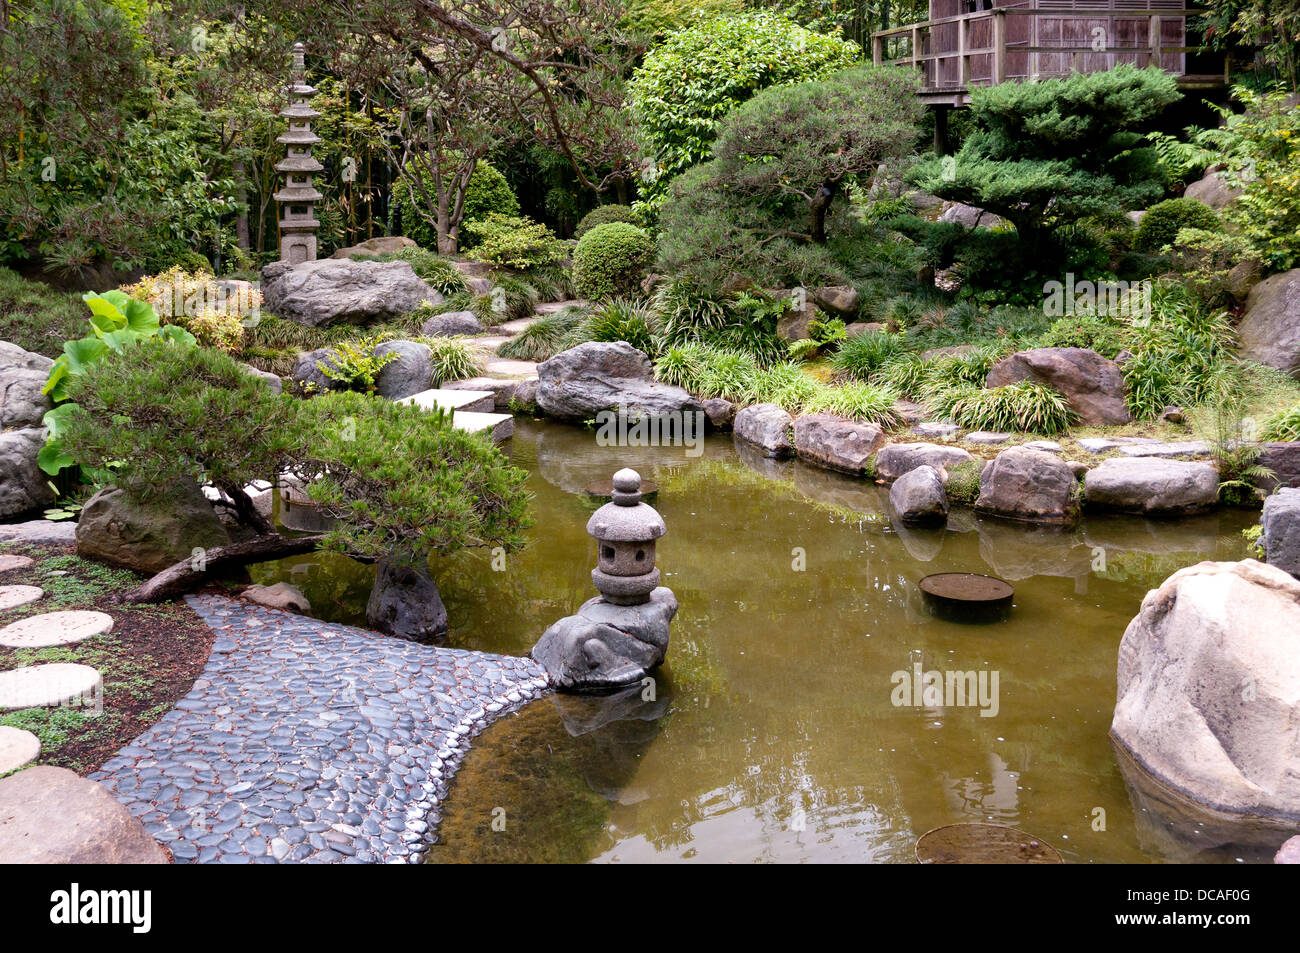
(605, 646)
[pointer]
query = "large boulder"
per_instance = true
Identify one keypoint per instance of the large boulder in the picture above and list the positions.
(1281, 530)
(1270, 327)
(451, 323)
(604, 645)
(383, 245)
(840, 300)
(918, 497)
(50, 815)
(408, 373)
(899, 458)
(766, 426)
(1283, 459)
(23, 485)
(835, 442)
(579, 383)
(405, 601)
(1024, 484)
(148, 537)
(972, 216)
(22, 375)
(1209, 688)
(1093, 385)
(342, 291)
(1212, 189)
(1151, 486)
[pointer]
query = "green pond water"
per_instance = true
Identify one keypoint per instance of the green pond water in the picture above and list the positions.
(771, 733)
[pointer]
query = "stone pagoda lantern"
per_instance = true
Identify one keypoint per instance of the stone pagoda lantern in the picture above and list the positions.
(297, 199)
(626, 530)
(616, 638)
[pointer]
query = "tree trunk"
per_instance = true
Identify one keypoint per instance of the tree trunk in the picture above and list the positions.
(183, 576)
(241, 196)
(819, 206)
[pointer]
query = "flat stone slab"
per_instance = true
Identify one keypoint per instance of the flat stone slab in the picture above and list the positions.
(457, 400)
(489, 342)
(55, 628)
(46, 686)
(1102, 444)
(932, 428)
(987, 437)
(39, 531)
(17, 748)
(517, 326)
(1047, 446)
(502, 387)
(1183, 448)
(500, 426)
(9, 562)
(500, 367)
(555, 307)
(13, 596)
(307, 741)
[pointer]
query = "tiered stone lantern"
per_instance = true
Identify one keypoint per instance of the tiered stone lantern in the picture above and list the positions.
(298, 198)
(616, 638)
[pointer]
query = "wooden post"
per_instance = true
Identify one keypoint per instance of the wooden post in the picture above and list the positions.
(999, 46)
(1153, 36)
(877, 51)
(963, 61)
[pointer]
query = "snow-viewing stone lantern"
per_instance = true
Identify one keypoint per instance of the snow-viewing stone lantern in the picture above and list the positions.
(617, 637)
(298, 198)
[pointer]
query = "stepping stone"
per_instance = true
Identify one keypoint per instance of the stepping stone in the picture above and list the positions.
(554, 307)
(500, 426)
(1102, 444)
(55, 628)
(1185, 448)
(39, 531)
(987, 437)
(500, 367)
(47, 686)
(457, 400)
(17, 748)
(934, 429)
(8, 563)
(503, 388)
(517, 326)
(11, 596)
(1047, 446)
(489, 342)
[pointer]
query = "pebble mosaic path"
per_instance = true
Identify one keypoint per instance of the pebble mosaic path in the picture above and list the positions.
(306, 741)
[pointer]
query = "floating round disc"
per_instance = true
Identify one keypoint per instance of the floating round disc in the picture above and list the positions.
(8, 562)
(967, 596)
(605, 487)
(983, 844)
(55, 628)
(44, 686)
(13, 596)
(17, 748)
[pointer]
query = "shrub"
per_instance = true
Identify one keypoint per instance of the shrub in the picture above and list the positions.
(1283, 425)
(488, 193)
(544, 338)
(618, 319)
(611, 260)
(454, 359)
(195, 301)
(514, 241)
(861, 357)
(1160, 225)
(1023, 406)
(1103, 335)
(603, 215)
(36, 317)
(398, 478)
(692, 80)
(161, 414)
(355, 365)
(511, 298)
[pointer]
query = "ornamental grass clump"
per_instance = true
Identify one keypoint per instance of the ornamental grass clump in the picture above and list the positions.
(857, 401)
(542, 339)
(453, 359)
(861, 357)
(1024, 406)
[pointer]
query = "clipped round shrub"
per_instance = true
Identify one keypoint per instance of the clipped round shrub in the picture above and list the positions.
(1159, 226)
(603, 215)
(611, 260)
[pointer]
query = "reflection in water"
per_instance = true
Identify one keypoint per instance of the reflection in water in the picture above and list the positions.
(772, 735)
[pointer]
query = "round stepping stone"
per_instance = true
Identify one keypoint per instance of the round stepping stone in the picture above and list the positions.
(45, 686)
(12, 596)
(17, 747)
(55, 628)
(8, 562)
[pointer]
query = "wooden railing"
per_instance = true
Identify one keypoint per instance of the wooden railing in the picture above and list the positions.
(983, 54)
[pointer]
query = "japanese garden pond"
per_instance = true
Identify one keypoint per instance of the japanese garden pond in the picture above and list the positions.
(772, 732)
